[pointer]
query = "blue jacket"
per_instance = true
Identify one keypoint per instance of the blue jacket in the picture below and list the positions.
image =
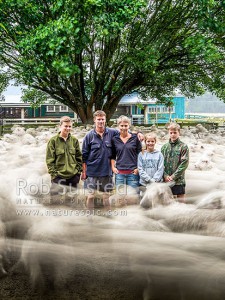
(97, 152)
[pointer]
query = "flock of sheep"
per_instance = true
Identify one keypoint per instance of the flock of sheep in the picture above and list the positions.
(173, 250)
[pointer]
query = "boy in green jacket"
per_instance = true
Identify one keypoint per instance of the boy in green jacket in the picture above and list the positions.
(176, 159)
(63, 156)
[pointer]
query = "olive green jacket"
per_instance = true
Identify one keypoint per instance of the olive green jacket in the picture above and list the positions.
(63, 158)
(176, 159)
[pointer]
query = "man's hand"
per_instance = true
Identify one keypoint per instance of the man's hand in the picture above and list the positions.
(114, 169)
(83, 175)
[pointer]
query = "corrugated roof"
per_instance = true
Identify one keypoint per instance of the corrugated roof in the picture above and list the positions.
(135, 98)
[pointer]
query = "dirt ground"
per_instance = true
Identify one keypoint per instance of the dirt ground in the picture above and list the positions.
(97, 281)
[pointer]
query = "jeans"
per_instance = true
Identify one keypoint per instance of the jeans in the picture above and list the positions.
(127, 179)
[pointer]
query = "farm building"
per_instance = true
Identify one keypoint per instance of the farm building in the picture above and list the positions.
(140, 111)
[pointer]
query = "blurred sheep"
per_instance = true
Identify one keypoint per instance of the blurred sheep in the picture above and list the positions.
(157, 194)
(46, 253)
(125, 195)
(213, 200)
(204, 162)
(28, 139)
(10, 138)
(18, 130)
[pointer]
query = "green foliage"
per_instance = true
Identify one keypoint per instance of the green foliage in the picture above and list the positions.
(167, 101)
(92, 52)
(140, 105)
(4, 81)
(34, 97)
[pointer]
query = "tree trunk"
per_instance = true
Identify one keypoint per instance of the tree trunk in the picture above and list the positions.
(86, 113)
(86, 116)
(110, 107)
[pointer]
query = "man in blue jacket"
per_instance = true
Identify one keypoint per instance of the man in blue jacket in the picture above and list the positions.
(97, 153)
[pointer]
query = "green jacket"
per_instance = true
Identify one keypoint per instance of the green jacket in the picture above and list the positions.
(63, 158)
(176, 159)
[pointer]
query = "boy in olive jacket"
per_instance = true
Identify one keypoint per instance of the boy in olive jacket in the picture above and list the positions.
(176, 159)
(63, 156)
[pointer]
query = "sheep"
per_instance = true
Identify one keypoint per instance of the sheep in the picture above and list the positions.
(204, 163)
(195, 221)
(157, 194)
(125, 195)
(10, 138)
(18, 130)
(165, 265)
(46, 254)
(31, 131)
(200, 182)
(215, 199)
(137, 220)
(28, 139)
(144, 241)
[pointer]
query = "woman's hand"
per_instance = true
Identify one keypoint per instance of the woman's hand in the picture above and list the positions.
(135, 172)
(140, 136)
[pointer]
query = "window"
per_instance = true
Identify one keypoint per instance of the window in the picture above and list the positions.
(50, 108)
(57, 108)
(168, 109)
(160, 109)
(136, 110)
(153, 109)
(63, 108)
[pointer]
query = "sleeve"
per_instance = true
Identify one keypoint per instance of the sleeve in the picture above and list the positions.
(113, 150)
(78, 156)
(115, 132)
(184, 161)
(143, 175)
(159, 173)
(163, 151)
(139, 146)
(51, 158)
(86, 148)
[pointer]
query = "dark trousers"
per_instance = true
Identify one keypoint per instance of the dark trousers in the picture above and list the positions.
(58, 182)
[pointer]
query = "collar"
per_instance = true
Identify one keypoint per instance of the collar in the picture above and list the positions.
(62, 137)
(175, 142)
(105, 131)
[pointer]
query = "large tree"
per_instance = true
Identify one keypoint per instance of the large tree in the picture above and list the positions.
(88, 54)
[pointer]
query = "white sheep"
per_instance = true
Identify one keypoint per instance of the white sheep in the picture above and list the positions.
(204, 162)
(46, 251)
(215, 199)
(18, 130)
(157, 194)
(53, 245)
(125, 195)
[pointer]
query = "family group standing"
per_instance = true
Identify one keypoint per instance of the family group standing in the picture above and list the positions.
(107, 150)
